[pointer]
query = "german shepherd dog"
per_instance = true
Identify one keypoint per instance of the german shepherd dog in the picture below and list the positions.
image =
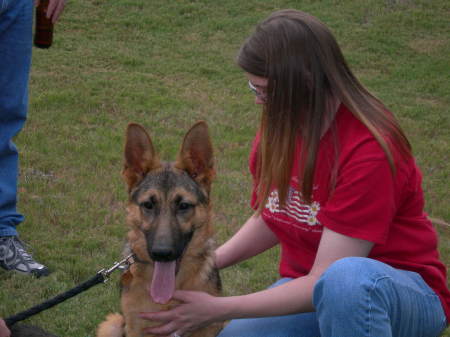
(169, 217)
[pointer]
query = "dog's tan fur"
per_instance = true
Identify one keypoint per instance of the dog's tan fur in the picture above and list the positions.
(196, 270)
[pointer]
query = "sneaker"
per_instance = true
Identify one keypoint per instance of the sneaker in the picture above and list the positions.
(13, 256)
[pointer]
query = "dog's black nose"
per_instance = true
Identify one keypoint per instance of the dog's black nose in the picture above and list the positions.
(162, 254)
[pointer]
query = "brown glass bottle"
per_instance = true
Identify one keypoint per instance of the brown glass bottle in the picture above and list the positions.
(43, 35)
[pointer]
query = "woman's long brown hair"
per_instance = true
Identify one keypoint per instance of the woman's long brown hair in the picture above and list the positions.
(306, 70)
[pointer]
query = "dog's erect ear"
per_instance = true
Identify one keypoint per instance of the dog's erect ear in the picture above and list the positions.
(140, 155)
(196, 155)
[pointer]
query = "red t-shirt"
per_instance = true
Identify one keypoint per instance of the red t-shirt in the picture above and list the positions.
(367, 203)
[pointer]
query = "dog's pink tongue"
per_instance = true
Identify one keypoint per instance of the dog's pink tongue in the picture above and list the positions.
(163, 283)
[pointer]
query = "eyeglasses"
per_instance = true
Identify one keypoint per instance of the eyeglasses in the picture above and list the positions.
(261, 95)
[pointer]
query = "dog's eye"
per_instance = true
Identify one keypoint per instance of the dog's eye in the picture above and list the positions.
(148, 205)
(184, 206)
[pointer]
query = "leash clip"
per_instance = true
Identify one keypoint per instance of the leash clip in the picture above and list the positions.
(123, 265)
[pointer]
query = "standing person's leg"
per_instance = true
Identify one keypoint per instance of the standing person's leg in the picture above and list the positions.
(15, 56)
(364, 297)
(16, 19)
(298, 325)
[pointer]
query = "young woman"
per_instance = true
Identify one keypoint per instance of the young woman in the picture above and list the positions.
(336, 186)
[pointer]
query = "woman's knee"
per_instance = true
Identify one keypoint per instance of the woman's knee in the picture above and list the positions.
(345, 279)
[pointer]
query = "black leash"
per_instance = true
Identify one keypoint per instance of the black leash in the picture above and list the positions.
(101, 277)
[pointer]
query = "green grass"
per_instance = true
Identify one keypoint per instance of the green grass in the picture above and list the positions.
(167, 64)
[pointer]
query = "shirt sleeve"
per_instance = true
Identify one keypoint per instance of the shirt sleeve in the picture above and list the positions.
(362, 204)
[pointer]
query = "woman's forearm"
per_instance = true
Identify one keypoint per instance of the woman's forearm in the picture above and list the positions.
(296, 296)
(292, 297)
(253, 238)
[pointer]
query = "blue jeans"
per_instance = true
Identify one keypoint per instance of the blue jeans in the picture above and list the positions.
(16, 19)
(356, 297)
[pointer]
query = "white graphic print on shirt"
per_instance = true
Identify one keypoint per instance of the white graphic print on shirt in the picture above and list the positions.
(296, 209)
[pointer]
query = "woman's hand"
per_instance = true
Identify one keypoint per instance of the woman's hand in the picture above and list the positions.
(197, 310)
(4, 331)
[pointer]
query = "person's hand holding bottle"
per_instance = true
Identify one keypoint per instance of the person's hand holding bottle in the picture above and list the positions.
(54, 9)
(4, 331)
